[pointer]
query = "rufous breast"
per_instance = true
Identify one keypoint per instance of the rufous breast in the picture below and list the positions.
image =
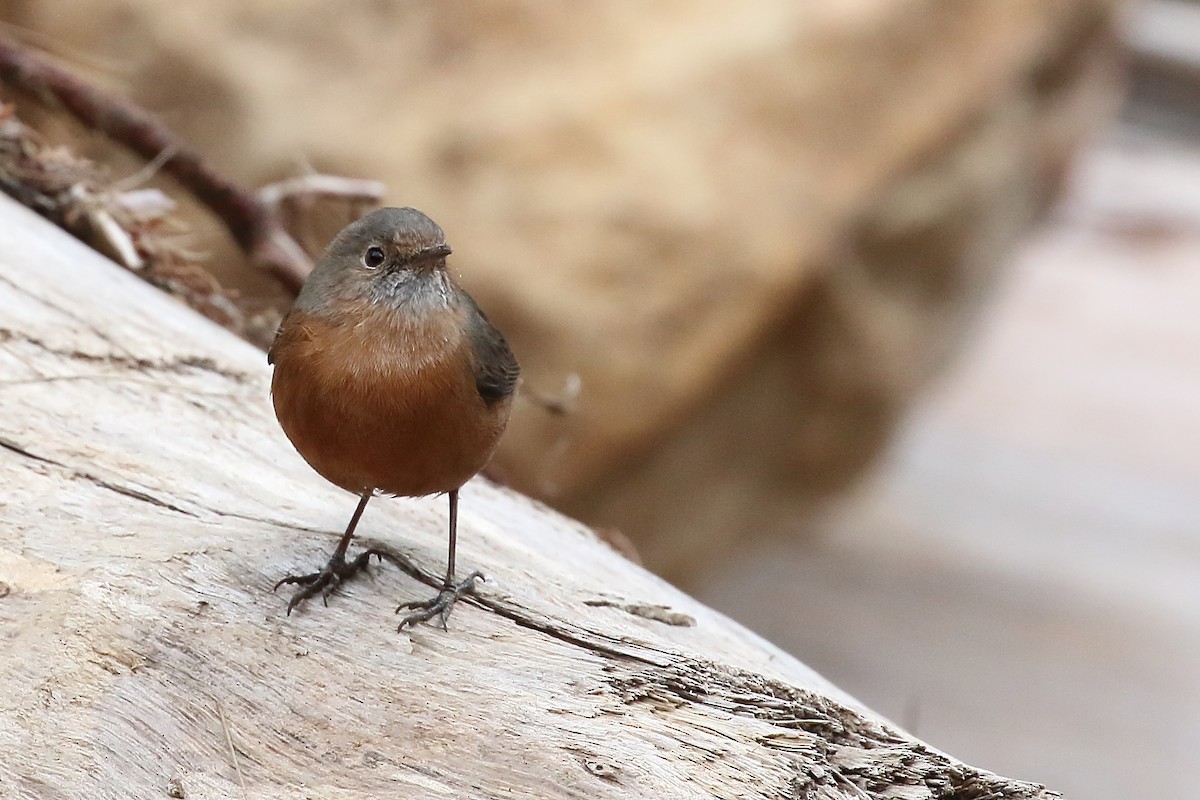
(376, 399)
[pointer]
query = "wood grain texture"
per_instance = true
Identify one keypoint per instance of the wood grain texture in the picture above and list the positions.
(148, 501)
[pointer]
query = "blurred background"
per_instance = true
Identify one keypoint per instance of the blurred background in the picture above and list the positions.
(884, 314)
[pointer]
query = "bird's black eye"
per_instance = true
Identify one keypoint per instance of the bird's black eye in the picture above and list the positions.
(373, 257)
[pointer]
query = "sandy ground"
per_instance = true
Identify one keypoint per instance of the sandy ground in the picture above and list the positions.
(1019, 581)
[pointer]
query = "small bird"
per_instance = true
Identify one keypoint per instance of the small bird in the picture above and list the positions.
(389, 379)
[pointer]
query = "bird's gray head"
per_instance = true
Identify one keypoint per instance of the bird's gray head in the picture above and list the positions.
(395, 256)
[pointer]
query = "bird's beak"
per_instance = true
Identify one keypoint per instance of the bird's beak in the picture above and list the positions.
(432, 253)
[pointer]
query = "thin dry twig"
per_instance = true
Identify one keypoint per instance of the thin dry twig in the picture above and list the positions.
(316, 185)
(251, 221)
(232, 750)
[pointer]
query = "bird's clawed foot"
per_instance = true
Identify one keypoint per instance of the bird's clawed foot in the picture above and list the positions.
(325, 582)
(439, 606)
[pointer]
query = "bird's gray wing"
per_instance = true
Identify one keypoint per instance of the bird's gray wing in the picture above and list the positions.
(495, 367)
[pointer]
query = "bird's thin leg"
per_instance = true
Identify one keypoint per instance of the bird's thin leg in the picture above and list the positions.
(441, 605)
(337, 569)
(446, 584)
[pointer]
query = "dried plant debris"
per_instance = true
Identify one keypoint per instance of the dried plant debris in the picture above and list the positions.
(136, 227)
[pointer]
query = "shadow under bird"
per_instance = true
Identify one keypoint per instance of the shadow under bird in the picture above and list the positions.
(389, 379)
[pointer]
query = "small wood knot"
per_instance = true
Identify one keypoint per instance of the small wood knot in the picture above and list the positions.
(601, 769)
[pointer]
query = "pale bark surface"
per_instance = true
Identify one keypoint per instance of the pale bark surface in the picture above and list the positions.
(148, 501)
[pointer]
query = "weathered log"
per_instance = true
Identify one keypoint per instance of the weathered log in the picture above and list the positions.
(147, 504)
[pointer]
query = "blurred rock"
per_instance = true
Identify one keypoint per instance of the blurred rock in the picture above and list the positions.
(753, 229)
